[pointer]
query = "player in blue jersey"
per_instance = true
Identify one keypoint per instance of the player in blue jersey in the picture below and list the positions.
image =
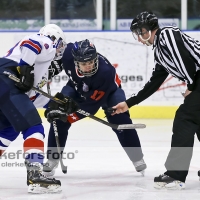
(29, 60)
(93, 83)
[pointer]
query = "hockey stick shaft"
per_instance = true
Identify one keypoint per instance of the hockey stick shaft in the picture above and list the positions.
(63, 167)
(55, 129)
(114, 126)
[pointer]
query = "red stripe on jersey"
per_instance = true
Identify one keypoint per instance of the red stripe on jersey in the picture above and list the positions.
(1, 152)
(115, 65)
(117, 80)
(32, 98)
(32, 44)
(72, 118)
(33, 143)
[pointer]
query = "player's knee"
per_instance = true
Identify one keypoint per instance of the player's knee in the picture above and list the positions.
(7, 135)
(37, 131)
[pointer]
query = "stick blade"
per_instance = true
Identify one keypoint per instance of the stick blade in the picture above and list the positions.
(64, 169)
(130, 126)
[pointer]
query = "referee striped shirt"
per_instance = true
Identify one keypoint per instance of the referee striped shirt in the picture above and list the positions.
(175, 53)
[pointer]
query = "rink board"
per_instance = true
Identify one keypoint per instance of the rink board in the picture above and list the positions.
(142, 112)
(134, 64)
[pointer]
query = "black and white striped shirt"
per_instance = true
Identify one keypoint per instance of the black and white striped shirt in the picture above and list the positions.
(175, 53)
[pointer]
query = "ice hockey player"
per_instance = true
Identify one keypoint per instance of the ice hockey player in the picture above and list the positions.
(93, 83)
(29, 60)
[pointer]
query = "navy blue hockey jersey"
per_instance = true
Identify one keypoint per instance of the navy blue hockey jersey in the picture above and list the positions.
(96, 88)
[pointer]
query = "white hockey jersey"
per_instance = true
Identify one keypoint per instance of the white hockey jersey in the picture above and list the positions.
(34, 50)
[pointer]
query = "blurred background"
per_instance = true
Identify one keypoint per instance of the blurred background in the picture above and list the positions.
(95, 14)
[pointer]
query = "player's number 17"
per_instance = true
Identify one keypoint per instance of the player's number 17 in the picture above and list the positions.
(97, 95)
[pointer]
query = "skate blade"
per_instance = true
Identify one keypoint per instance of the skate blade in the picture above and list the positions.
(159, 185)
(175, 185)
(36, 189)
(170, 186)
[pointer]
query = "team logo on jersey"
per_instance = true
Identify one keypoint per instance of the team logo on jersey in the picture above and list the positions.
(69, 72)
(85, 87)
(46, 46)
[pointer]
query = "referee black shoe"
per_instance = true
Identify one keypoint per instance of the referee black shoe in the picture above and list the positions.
(166, 182)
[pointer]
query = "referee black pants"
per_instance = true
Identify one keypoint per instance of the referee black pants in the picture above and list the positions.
(186, 125)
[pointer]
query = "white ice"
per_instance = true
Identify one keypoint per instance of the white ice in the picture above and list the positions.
(101, 170)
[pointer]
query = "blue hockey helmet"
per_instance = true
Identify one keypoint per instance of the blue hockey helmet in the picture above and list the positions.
(83, 52)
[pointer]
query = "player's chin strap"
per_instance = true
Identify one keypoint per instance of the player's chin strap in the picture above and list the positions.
(115, 126)
(55, 129)
(146, 40)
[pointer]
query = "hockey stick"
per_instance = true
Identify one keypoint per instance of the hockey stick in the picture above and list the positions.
(114, 126)
(55, 129)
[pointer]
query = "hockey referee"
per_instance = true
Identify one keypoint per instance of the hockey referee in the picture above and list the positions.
(177, 54)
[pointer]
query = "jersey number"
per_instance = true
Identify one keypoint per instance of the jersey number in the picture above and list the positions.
(97, 95)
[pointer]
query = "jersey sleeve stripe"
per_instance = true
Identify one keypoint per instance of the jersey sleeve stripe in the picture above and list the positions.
(32, 45)
(33, 98)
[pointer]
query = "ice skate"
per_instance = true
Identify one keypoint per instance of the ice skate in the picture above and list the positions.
(199, 174)
(164, 181)
(49, 167)
(39, 183)
(140, 166)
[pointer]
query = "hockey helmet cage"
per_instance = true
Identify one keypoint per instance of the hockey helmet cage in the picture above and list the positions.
(84, 51)
(57, 36)
(147, 20)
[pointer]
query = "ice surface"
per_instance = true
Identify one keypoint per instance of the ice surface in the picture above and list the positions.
(101, 170)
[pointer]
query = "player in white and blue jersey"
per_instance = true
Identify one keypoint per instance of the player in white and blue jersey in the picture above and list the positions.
(29, 60)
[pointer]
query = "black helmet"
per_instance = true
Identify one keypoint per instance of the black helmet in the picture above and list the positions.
(146, 20)
(85, 51)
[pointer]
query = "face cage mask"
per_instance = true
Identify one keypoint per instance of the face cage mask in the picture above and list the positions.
(60, 48)
(91, 72)
(139, 33)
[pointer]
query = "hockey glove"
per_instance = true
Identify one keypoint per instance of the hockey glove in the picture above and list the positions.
(60, 111)
(26, 75)
(55, 68)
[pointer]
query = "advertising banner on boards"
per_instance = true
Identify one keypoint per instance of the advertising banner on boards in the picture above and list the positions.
(133, 61)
